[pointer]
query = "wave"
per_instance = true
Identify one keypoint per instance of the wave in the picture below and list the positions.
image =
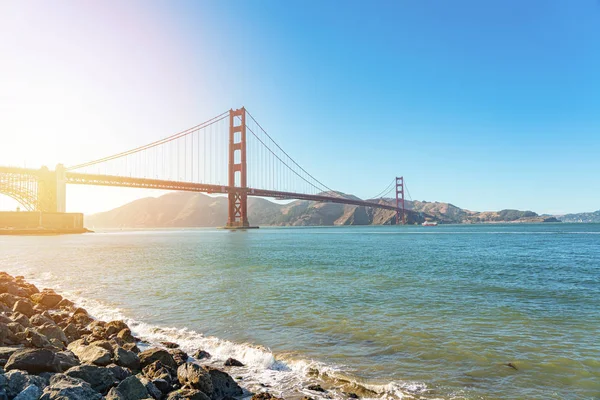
(284, 375)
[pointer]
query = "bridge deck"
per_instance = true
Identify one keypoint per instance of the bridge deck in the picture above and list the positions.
(120, 181)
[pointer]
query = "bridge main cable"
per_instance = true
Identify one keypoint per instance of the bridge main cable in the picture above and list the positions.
(175, 136)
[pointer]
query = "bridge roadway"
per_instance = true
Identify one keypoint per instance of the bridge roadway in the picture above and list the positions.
(120, 181)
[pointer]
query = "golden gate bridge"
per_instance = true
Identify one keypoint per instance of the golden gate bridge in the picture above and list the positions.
(229, 154)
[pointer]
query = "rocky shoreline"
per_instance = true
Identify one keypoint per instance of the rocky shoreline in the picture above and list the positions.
(50, 349)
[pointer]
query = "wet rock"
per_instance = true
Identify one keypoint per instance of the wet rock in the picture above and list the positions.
(114, 327)
(24, 307)
(179, 356)
(265, 396)
(126, 336)
(316, 388)
(80, 319)
(170, 345)
(126, 358)
(64, 387)
(187, 394)
(351, 395)
(81, 311)
(46, 298)
(232, 362)
(65, 304)
(66, 360)
(129, 389)
(17, 381)
(201, 354)
(195, 377)
(131, 347)
(100, 379)
(224, 386)
(149, 356)
(31, 392)
(33, 361)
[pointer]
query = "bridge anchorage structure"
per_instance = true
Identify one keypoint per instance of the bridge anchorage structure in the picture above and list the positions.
(230, 154)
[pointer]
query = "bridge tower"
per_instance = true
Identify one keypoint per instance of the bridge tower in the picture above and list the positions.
(238, 199)
(400, 200)
(51, 190)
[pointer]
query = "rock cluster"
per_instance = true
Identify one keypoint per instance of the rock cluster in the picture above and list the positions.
(52, 350)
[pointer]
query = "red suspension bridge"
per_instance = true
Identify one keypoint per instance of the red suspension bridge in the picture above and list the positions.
(230, 154)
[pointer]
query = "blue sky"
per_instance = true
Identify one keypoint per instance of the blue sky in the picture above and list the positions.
(484, 104)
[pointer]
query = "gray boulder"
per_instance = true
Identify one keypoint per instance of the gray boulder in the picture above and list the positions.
(66, 360)
(126, 358)
(187, 394)
(223, 385)
(147, 357)
(52, 331)
(17, 381)
(129, 389)
(119, 372)
(64, 387)
(150, 387)
(195, 377)
(33, 361)
(39, 320)
(90, 354)
(31, 392)
(100, 379)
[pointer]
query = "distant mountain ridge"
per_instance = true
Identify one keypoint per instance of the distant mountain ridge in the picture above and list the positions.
(586, 217)
(184, 209)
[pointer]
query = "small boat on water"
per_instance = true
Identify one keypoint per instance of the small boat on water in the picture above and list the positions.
(429, 223)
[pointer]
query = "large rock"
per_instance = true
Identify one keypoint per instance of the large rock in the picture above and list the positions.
(47, 299)
(36, 339)
(153, 391)
(24, 307)
(201, 354)
(195, 377)
(147, 357)
(33, 361)
(157, 371)
(66, 360)
(31, 392)
(6, 352)
(17, 381)
(179, 356)
(9, 299)
(130, 389)
(223, 385)
(114, 327)
(52, 332)
(21, 319)
(90, 354)
(126, 336)
(126, 358)
(64, 387)
(40, 319)
(187, 394)
(119, 372)
(100, 379)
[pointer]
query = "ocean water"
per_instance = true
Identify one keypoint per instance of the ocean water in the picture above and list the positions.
(383, 312)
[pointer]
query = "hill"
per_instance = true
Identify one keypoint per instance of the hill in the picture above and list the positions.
(581, 217)
(184, 209)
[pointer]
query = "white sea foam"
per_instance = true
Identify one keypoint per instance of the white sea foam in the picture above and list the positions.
(283, 375)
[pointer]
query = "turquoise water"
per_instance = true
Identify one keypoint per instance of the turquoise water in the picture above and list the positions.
(422, 312)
